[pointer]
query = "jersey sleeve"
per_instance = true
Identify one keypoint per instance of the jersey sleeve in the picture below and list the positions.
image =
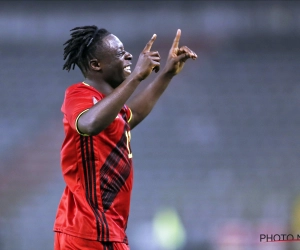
(77, 101)
(128, 113)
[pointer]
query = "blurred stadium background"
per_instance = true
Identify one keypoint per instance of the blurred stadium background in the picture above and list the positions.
(216, 162)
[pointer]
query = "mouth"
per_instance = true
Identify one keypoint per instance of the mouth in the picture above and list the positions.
(127, 69)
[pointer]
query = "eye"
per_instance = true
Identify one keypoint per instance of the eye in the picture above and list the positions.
(121, 53)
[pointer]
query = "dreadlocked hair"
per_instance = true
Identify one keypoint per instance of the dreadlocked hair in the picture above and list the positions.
(82, 45)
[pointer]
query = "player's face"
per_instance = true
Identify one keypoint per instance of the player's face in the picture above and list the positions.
(115, 61)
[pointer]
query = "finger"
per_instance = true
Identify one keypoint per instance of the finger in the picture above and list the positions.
(176, 40)
(156, 66)
(183, 57)
(185, 49)
(149, 44)
(155, 58)
(154, 53)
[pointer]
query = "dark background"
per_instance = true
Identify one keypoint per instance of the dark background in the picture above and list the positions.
(217, 160)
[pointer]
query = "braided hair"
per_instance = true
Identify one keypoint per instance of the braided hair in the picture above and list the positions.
(82, 46)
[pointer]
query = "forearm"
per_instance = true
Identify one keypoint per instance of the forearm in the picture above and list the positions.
(143, 103)
(98, 117)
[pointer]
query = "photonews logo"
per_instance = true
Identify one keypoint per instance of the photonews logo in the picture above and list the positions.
(278, 237)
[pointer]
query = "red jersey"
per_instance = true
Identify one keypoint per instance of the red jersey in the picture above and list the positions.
(97, 170)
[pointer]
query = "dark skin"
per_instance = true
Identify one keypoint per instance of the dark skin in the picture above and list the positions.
(108, 76)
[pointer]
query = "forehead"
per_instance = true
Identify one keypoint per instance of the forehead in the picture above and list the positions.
(112, 42)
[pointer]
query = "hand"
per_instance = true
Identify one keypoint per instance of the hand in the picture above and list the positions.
(178, 56)
(148, 61)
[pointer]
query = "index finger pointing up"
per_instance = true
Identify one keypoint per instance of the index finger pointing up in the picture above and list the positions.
(176, 39)
(149, 44)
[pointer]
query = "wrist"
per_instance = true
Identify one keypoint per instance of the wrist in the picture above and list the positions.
(137, 76)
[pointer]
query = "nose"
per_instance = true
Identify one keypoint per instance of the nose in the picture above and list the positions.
(128, 56)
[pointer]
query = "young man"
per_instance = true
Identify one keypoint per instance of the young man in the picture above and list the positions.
(96, 157)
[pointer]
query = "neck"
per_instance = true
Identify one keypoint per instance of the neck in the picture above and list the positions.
(99, 85)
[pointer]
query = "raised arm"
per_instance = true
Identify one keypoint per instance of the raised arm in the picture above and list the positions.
(142, 104)
(104, 112)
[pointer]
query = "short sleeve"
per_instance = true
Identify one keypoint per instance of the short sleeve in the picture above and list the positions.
(128, 113)
(77, 101)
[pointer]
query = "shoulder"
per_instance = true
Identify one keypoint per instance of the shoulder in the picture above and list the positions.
(81, 89)
(78, 87)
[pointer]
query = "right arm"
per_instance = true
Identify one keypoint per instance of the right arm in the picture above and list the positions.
(98, 117)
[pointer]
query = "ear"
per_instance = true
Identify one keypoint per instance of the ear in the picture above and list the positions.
(95, 65)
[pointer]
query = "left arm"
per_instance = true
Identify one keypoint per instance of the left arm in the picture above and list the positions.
(142, 104)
